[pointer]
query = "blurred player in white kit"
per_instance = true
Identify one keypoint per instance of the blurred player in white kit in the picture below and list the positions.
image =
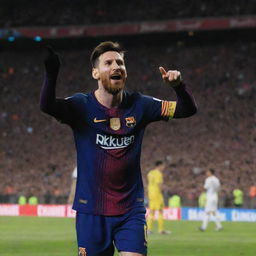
(212, 186)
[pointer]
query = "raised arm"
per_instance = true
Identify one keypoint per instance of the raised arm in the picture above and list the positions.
(186, 105)
(59, 108)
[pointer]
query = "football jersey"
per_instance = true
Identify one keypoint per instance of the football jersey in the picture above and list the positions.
(212, 186)
(108, 143)
(155, 180)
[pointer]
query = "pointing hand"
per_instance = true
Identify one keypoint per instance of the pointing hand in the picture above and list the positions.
(173, 77)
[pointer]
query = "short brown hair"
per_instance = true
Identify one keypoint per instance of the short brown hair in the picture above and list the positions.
(105, 47)
(212, 171)
(158, 162)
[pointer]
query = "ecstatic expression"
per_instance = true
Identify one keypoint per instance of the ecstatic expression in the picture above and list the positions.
(111, 72)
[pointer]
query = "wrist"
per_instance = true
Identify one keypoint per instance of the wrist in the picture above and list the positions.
(179, 86)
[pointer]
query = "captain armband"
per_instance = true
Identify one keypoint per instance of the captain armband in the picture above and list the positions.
(168, 109)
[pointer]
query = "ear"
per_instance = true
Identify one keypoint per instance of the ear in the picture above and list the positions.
(95, 73)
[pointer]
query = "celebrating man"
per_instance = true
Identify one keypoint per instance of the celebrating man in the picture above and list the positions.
(108, 126)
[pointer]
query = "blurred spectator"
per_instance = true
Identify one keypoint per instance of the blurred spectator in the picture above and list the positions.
(222, 134)
(22, 200)
(33, 200)
(174, 201)
(77, 12)
(202, 200)
(252, 191)
(238, 197)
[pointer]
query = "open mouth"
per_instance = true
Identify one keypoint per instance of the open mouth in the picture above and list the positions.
(116, 77)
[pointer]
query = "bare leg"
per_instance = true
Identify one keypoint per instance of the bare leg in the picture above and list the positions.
(150, 221)
(205, 220)
(130, 254)
(217, 220)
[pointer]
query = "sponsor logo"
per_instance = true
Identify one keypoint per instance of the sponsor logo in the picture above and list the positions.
(95, 120)
(115, 123)
(110, 142)
(82, 201)
(247, 215)
(130, 121)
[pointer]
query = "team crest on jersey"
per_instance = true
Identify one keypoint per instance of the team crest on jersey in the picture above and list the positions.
(130, 121)
(115, 123)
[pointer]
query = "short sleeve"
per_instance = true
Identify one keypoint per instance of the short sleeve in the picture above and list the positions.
(157, 109)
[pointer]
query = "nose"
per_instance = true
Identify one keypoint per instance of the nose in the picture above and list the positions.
(115, 65)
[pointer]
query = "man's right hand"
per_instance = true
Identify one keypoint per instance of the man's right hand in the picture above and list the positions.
(52, 62)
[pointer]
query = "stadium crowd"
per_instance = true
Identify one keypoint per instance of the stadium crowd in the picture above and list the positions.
(78, 12)
(37, 154)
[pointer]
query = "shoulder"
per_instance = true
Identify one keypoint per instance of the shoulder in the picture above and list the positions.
(215, 178)
(78, 98)
(130, 98)
(152, 172)
(137, 96)
(148, 98)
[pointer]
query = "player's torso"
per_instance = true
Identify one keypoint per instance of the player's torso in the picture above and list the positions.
(114, 128)
(212, 186)
(108, 143)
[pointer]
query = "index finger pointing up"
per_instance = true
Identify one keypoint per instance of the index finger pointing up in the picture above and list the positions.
(162, 71)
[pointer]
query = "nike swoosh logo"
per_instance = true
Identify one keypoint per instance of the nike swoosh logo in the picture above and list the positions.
(95, 120)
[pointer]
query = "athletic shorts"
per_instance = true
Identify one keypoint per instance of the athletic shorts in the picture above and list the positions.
(97, 234)
(211, 204)
(156, 203)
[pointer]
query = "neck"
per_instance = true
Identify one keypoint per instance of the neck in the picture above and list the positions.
(107, 99)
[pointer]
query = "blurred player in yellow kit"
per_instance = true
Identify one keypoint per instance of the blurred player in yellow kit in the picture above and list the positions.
(155, 197)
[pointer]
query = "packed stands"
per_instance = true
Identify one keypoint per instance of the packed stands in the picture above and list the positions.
(37, 154)
(77, 12)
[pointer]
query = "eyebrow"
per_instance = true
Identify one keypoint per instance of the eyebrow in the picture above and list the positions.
(114, 59)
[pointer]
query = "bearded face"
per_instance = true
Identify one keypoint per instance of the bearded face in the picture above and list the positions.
(111, 72)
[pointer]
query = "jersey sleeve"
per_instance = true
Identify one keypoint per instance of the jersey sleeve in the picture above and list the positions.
(67, 110)
(156, 109)
(77, 106)
(64, 110)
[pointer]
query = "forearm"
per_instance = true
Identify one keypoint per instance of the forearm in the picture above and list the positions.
(48, 95)
(186, 105)
(58, 108)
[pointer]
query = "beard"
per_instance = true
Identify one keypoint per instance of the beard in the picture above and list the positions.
(112, 86)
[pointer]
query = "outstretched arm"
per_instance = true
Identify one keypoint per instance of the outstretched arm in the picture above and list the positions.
(58, 108)
(186, 105)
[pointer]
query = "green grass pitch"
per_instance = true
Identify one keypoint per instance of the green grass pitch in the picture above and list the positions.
(34, 236)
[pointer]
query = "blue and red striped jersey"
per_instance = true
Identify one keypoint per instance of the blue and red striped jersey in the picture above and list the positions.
(108, 144)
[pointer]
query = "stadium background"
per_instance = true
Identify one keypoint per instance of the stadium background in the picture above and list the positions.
(211, 43)
(217, 62)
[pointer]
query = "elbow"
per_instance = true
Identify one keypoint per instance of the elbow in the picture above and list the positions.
(44, 108)
(189, 112)
(193, 111)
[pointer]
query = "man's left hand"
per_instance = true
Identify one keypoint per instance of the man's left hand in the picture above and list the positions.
(173, 77)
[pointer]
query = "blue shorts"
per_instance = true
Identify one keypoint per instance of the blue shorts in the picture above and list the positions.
(98, 234)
